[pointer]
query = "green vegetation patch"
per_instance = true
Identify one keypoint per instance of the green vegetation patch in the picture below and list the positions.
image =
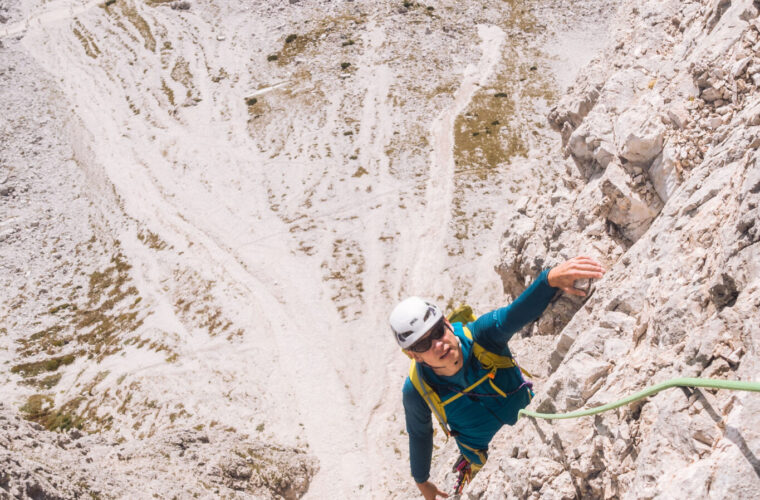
(296, 44)
(198, 308)
(87, 40)
(108, 308)
(480, 145)
(129, 10)
(151, 239)
(345, 272)
(47, 365)
(168, 92)
(48, 341)
(498, 125)
(39, 408)
(60, 307)
(490, 132)
(45, 383)
(100, 324)
(181, 74)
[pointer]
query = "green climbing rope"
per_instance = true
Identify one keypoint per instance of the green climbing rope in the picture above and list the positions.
(733, 385)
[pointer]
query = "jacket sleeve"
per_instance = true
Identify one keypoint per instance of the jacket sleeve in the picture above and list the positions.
(419, 427)
(497, 327)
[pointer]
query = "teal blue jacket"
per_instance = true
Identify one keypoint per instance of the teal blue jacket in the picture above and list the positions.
(475, 419)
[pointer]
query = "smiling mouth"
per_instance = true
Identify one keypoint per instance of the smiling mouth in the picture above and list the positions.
(447, 353)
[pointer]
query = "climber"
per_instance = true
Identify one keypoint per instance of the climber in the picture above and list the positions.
(470, 359)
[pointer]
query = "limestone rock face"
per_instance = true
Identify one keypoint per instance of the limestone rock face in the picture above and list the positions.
(35, 463)
(640, 135)
(663, 173)
(672, 211)
(183, 220)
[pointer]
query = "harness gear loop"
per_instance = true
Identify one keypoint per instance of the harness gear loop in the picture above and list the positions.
(466, 472)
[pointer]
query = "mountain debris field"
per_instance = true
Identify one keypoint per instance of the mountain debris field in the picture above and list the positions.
(208, 210)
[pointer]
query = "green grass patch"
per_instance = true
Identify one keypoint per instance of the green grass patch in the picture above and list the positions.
(39, 408)
(87, 41)
(47, 365)
(168, 92)
(148, 237)
(129, 11)
(298, 44)
(60, 307)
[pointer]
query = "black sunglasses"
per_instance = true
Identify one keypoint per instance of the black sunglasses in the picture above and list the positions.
(426, 342)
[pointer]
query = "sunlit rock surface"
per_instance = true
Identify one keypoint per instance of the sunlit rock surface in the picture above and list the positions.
(209, 208)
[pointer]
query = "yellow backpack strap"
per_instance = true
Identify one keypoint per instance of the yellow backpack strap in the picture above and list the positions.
(490, 360)
(428, 395)
(467, 332)
(488, 376)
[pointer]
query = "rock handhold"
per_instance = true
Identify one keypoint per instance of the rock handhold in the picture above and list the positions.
(711, 94)
(632, 210)
(664, 174)
(591, 144)
(639, 136)
(723, 293)
(679, 115)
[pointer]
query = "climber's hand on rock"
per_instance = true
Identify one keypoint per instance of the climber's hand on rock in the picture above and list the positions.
(431, 491)
(564, 275)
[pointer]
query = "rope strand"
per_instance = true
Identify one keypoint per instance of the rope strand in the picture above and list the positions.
(732, 385)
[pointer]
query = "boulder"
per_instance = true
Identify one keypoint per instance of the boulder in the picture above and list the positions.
(591, 144)
(639, 135)
(679, 115)
(628, 208)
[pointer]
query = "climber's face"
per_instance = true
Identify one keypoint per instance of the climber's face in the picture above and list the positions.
(444, 355)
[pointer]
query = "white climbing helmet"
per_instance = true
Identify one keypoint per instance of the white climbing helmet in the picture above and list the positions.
(411, 319)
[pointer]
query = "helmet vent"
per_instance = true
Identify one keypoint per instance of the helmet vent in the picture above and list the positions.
(403, 336)
(429, 311)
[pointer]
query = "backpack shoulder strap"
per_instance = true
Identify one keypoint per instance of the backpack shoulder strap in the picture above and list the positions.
(429, 395)
(489, 360)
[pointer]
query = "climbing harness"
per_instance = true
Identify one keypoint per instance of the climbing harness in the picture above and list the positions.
(465, 471)
(733, 385)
